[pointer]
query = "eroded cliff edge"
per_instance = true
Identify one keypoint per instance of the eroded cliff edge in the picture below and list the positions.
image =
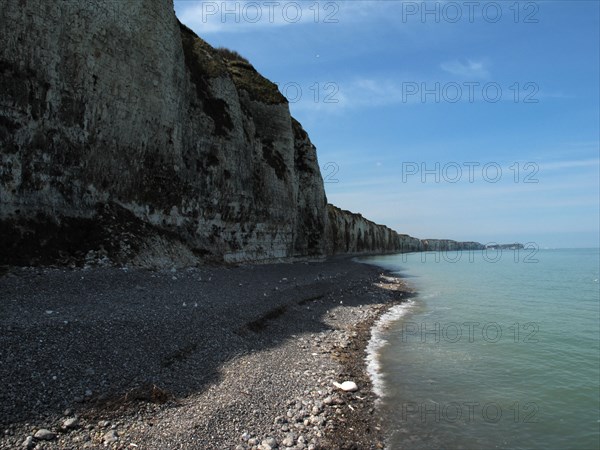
(125, 135)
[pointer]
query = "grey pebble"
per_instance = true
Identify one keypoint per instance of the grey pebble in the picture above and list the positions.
(110, 437)
(28, 442)
(70, 423)
(44, 435)
(271, 442)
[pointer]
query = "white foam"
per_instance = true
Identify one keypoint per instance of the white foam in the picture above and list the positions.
(378, 341)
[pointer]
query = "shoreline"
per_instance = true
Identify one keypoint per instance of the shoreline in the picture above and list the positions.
(241, 358)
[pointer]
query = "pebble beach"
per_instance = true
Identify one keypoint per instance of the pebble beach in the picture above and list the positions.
(250, 357)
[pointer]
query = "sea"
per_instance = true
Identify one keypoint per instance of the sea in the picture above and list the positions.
(497, 349)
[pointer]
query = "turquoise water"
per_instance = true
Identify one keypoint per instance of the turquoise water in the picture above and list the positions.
(496, 351)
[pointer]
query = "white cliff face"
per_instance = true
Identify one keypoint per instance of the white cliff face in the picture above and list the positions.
(123, 133)
(115, 103)
(89, 91)
(349, 233)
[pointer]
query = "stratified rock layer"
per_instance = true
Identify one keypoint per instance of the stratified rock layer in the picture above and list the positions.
(352, 233)
(123, 134)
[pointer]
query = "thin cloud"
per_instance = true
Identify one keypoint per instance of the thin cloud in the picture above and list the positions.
(229, 16)
(235, 16)
(472, 69)
(561, 165)
(356, 94)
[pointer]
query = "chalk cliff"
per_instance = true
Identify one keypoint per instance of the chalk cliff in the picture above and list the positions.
(124, 135)
(351, 233)
(437, 245)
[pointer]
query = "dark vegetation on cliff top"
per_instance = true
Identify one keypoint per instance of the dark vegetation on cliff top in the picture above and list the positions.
(231, 55)
(205, 62)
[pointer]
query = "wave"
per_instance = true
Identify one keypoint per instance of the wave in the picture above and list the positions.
(378, 341)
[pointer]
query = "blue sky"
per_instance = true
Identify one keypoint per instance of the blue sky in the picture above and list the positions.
(469, 121)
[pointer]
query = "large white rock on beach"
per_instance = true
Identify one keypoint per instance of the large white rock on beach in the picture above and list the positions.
(346, 386)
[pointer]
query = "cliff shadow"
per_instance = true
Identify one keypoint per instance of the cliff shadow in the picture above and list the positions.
(103, 342)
